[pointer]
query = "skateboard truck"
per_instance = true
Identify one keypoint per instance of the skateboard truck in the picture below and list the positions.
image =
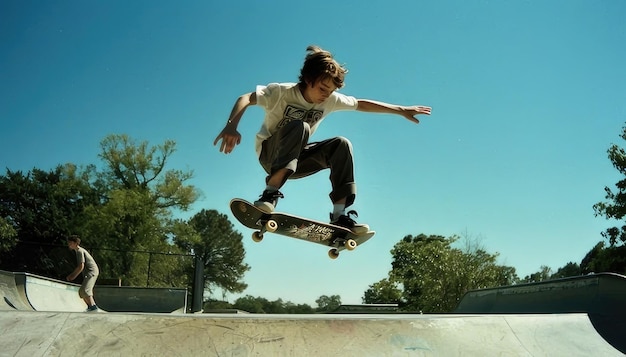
(349, 244)
(271, 226)
(336, 238)
(267, 226)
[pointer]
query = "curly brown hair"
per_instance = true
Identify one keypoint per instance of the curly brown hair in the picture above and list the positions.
(74, 238)
(319, 65)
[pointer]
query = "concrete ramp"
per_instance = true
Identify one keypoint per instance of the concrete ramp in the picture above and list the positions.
(69, 334)
(23, 291)
(13, 298)
(603, 293)
(601, 296)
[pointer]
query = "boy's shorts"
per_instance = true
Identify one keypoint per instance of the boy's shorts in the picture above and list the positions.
(86, 288)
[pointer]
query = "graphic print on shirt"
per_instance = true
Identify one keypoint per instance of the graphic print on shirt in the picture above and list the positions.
(292, 113)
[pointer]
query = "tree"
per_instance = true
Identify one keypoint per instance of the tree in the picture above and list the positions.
(434, 276)
(261, 305)
(134, 217)
(615, 206)
(250, 304)
(210, 235)
(292, 308)
(7, 236)
(604, 259)
(328, 303)
(122, 231)
(544, 273)
(587, 265)
(599, 259)
(137, 167)
(383, 292)
(123, 215)
(42, 208)
(569, 269)
(212, 304)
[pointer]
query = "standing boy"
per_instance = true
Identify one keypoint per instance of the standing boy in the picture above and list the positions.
(87, 265)
(292, 114)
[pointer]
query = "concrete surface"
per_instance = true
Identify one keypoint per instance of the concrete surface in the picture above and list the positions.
(572, 317)
(603, 293)
(13, 298)
(601, 296)
(23, 291)
(24, 333)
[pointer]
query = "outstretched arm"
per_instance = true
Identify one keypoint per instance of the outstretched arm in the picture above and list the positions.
(229, 135)
(409, 112)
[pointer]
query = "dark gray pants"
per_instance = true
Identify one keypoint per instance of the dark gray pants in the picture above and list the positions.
(289, 148)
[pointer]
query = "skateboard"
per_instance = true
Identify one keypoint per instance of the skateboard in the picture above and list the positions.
(336, 237)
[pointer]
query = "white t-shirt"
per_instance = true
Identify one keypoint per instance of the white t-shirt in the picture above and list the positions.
(90, 268)
(283, 102)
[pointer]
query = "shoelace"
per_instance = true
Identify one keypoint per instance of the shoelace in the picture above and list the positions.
(272, 195)
(352, 212)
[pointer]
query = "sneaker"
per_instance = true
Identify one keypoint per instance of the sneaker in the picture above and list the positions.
(268, 200)
(347, 222)
(93, 308)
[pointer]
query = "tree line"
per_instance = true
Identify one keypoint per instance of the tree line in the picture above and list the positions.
(260, 305)
(125, 214)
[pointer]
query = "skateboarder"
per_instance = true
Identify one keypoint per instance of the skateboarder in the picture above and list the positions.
(293, 111)
(88, 267)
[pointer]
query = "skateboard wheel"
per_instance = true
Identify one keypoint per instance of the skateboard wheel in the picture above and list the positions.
(257, 236)
(271, 225)
(350, 244)
(333, 253)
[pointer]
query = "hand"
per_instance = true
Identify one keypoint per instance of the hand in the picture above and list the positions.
(69, 278)
(230, 138)
(411, 112)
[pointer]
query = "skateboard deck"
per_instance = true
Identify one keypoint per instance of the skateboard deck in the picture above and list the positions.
(336, 237)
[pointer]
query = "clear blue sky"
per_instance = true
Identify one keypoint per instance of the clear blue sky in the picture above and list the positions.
(527, 97)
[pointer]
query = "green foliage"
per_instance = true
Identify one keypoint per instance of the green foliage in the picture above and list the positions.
(544, 273)
(569, 269)
(600, 259)
(210, 235)
(140, 168)
(212, 304)
(129, 230)
(250, 304)
(615, 206)
(434, 276)
(605, 259)
(261, 305)
(328, 303)
(8, 236)
(42, 208)
(383, 292)
(122, 214)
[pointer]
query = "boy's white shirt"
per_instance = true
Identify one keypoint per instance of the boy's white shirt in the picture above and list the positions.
(283, 102)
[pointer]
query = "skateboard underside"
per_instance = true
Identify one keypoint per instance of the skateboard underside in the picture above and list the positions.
(338, 238)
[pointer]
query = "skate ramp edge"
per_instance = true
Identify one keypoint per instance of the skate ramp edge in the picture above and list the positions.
(601, 296)
(23, 291)
(53, 334)
(602, 293)
(13, 296)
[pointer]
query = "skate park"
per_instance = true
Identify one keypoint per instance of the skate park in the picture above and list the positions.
(577, 316)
